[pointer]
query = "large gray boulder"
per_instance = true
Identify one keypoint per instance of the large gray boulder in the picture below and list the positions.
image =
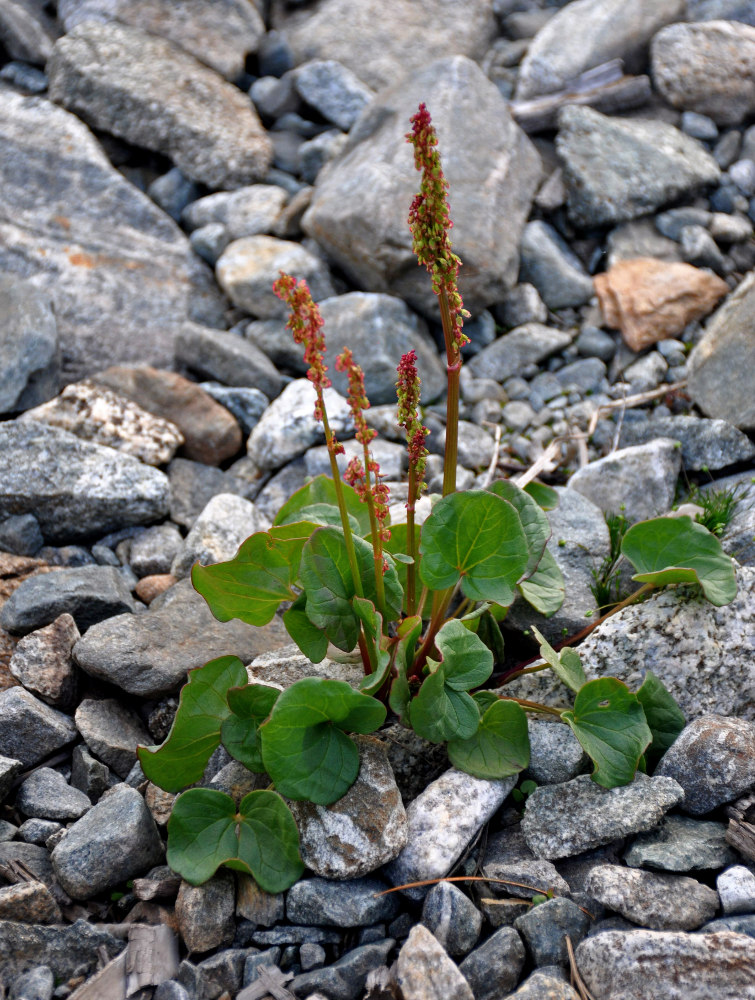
(362, 198)
(28, 346)
(120, 273)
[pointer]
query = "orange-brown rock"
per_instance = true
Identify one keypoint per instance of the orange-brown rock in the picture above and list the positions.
(150, 587)
(211, 433)
(650, 300)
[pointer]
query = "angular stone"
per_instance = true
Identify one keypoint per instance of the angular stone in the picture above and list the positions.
(89, 775)
(661, 902)
(29, 729)
(555, 753)
(719, 364)
(29, 902)
(217, 533)
(9, 768)
(495, 966)
(42, 661)
(546, 927)
(425, 972)
(227, 357)
(350, 903)
(525, 345)
(650, 300)
(112, 732)
(88, 593)
(713, 759)
(332, 89)
(29, 346)
(69, 950)
(363, 830)
(20, 535)
(149, 654)
(682, 844)
(563, 820)
(247, 211)
(116, 840)
(525, 877)
(211, 435)
(127, 82)
(706, 444)
(442, 821)
(254, 904)
(248, 267)
(346, 978)
(542, 985)
(708, 68)
(736, 889)
(220, 33)
(120, 273)
(640, 480)
(549, 264)
(205, 912)
(493, 172)
(152, 552)
(670, 964)
(618, 168)
(318, 34)
(86, 490)
(37, 984)
(587, 34)
(452, 917)
(47, 794)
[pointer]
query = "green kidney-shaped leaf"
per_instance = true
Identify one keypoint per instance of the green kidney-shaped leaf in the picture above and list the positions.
(252, 585)
(328, 583)
(206, 830)
(250, 705)
(499, 748)
(477, 536)
(438, 713)
(665, 718)
(545, 589)
(566, 664)
(310, 639)
(679, 550)
(610, 724)
(305, 748)
(321, 490)
(537, 529)
(545, 496)
(195, 733)
(466, 660)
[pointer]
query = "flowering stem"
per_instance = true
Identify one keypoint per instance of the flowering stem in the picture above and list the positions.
(453, 369)
(350, 551)
(411, 569)
(377, 540)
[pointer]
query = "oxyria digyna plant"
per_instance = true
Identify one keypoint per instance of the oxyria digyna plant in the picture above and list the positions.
(419, 605)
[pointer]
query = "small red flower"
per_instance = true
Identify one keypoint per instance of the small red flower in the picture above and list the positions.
(305, 323)
(356, 395)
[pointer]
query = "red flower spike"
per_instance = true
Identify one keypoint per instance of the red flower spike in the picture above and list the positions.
(305, 323)
(356, 395)
(430, 222)
(408, 393)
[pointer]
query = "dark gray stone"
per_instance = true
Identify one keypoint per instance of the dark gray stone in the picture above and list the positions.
(20, 534)
(112, 732)
(555, 753)
(740, 924)
(28, 344)
(595, 343)
(67, 951)
(154, 550)
(682, 844)
(205, 912)
(116, 840)
(545, 929)
(36, 984)
(706, 444)
(344, 979)
(452, 917)
(88, 593)
(350, 903)
(89, 775)
(283, 936)
(227, 357)
(9, 768)
(194, 484)
(245, 403)
(332, 89)
(38, 831)
(46, 794)
(29, 729)
(548, 263)
(173, 192)
(495, 967)
(525, 345)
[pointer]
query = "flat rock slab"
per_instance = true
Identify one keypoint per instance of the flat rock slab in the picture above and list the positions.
(29, 729)
(563, 820)
(363, 196)
(143, 89)
(28, 345)
(119, 271)
(149, 654)
(668, 965)
(682, 844)
(661, 902)
(66, 950)
(706, 444)
(350, 903)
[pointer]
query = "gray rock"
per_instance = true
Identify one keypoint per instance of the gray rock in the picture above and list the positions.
(492, 173)
(20, 534)
(120, 273)
(541, 985)
(67, 951)
(442, 821)
(707, 67)
(112, 732)
(391, 458)
(43, 663)
(153, 550)
(669, 964)
(245, 403)
(640, 238)
(743, 173)
(9, 768)
(713, 759)
(617, 169)
(247, 211)
(546, 927)
(344, 979)
(86, 490)
(706, 444)
(495, 966)
(640, 481)
(125, 81)
(525, 345)
(114, 841)
(248, 267)
(173, 191)
(275, 97)
(549, 264)
(220, 33)
(699, 126)
(224, 970)
(517, 415)
(286, 935)
(205, 912)
(210, 241)
(217, 533)
(646, 373)
(27, 31)
(699, 248)
(318, 34)
(672, 222)
(584, 376)
(744, 924)
(88, 593)
(736, 890)
(227, 357)
(316, 152)
(522, 305)
(29, 729)
(193, 485)
(38, 831)
(721, 10)
(332, 89)
(452, 917)
(288, 427)
(29, 345)
(425, 972)
(718, 364)
(681, 844)
(350, 903)
(89, 775)
(586, 34)
(555, 753)
(149, 654)
(524, 876)
(46, 794)
(661, 902)
(37, 984)
(563, 820)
